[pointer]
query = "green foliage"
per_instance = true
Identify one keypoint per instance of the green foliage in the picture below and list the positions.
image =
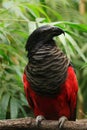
(17, 20)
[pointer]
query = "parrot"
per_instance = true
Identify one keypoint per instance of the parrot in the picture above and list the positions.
(49, 79)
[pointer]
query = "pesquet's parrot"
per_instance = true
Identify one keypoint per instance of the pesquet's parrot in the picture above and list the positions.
(49, 79)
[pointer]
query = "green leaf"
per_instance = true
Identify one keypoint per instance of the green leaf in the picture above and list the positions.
(13, 108)
(23, 99)
(22, 109)
(4, 103)
(63, 40)
(77, 48)
(76, 26)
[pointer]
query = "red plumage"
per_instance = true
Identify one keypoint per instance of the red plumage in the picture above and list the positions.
(63, 104)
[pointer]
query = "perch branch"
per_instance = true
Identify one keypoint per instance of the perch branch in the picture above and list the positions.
(30, 124)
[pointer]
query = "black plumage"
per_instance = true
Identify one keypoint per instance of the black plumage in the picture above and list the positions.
(47, 66)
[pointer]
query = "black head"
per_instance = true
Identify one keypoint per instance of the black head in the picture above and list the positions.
(41, 35)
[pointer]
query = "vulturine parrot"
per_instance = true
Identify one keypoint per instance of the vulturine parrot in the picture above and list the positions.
(50, 82)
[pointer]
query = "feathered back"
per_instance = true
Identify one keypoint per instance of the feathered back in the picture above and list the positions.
(47, 67)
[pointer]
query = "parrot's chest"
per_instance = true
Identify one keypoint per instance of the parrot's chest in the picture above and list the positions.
(52, 108)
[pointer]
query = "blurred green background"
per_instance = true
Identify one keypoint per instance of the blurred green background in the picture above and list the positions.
(18, 18)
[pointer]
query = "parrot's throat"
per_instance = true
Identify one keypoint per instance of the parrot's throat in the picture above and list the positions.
(48, 70)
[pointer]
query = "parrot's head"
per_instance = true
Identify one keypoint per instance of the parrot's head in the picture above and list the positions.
(40, 36)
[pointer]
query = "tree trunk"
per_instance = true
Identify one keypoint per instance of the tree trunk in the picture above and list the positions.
(82, 9)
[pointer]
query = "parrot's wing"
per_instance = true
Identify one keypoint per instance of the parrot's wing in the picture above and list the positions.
(72, 92)
(27, 92)
(73, 103)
